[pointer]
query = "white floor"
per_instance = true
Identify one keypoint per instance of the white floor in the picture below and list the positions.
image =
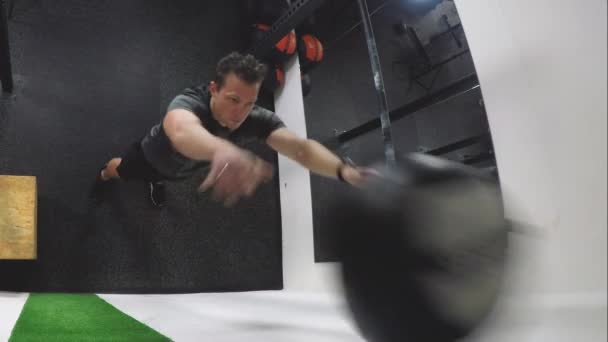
(285, 316)
(10, 307)
(248, 316)
(552, 318)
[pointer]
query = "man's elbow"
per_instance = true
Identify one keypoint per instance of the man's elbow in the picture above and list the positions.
(174, 127)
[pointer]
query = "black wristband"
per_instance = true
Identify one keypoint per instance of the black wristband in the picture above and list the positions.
(339, 172)
(345, 162)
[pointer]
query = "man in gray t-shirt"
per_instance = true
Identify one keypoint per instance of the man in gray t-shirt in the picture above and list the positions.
(207, 126)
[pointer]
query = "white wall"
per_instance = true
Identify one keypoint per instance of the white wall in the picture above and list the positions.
(542, 68)
(300, 273)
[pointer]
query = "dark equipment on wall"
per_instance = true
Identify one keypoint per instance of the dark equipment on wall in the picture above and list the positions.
(283, 49)
(263, 46)
(296, 14)
(450, 30)
(310, 52)
(417, 59)
(416, 54)
(423, 249)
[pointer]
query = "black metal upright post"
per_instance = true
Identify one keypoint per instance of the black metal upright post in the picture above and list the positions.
(389, 149)
(6, 75)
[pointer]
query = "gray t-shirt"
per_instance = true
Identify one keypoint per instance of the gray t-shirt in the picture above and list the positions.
(166, 160)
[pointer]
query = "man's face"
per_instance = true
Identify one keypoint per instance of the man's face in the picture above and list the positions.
(232, 103)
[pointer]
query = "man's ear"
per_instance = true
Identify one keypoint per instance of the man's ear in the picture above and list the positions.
(213, 88)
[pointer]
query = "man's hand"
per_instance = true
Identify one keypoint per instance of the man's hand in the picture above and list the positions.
(357, 176)
(235, 173)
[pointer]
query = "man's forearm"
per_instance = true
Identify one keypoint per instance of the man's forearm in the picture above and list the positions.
(198, 144)
(318, 159)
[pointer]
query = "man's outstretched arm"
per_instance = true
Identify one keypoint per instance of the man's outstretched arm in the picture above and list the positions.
(313, 156)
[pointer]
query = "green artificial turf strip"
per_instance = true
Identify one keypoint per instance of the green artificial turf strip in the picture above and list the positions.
(77, 317)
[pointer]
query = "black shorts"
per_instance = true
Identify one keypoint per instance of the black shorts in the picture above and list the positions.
(135, 166)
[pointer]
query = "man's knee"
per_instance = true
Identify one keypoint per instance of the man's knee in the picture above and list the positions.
(114, 162)
(111, 169)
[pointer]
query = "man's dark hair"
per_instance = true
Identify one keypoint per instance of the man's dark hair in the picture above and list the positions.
(246, 67)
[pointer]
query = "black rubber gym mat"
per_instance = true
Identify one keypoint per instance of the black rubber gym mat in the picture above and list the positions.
(90, 77)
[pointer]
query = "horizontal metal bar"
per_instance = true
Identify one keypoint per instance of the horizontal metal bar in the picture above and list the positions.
(457, 145)
(457, 88)
(445, 61)
(479, 158)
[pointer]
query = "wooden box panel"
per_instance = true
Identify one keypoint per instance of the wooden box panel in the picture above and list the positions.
(18, 217)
